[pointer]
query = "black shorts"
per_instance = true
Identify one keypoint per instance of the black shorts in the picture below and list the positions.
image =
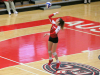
(54, 40)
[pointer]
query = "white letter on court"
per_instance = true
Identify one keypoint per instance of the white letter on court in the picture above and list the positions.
(80, 26)
(94, 30)
(74, 23)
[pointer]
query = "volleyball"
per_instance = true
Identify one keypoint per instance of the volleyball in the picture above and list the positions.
(48, 4)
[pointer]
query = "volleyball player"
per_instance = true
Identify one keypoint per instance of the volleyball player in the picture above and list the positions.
(53, 38)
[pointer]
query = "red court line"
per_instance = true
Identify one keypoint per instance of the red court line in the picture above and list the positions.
(40, 22)
(24, 25)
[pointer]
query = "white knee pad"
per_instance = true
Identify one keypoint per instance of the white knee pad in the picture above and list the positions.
(49, 51)
(54, 54)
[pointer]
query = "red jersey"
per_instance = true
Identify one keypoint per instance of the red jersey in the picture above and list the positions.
(54, 29)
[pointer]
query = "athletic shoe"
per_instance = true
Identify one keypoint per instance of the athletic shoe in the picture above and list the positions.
(16, 12)
(58, 65)
(50, 61)
(9, 13)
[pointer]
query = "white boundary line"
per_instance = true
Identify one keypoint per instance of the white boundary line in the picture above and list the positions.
(9, 60)
(34, 62)
(26, 70)
(23, 64)
(19, 68)
(34, 68)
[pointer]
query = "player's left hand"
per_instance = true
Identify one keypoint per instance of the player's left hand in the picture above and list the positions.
(46, 34)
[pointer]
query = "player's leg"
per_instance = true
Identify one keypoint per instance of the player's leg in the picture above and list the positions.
(13, 7)
(85, 1)
(89, 1)
(49, 51)
(54, 50)
(55, 54)
(8, 7)
(49, 48)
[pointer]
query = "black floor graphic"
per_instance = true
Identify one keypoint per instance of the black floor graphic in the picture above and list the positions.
(70, 68)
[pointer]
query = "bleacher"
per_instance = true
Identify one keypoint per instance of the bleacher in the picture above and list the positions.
(27, 5)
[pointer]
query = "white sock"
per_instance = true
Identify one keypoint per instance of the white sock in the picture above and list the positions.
(9, 13)
(50, 58)
(57, 61)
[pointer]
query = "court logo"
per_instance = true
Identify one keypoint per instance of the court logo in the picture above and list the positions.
(70, 68)
(99, 57)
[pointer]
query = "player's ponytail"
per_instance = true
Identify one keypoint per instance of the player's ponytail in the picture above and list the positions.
(61, 23)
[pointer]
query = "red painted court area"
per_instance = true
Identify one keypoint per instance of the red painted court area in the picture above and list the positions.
(78, 35)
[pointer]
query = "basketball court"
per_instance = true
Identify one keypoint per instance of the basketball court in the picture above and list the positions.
(23, 49)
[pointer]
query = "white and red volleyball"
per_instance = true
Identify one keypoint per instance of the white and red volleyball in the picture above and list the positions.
(48, 4)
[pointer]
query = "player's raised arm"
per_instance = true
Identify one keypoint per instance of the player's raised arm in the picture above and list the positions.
(50, 17)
